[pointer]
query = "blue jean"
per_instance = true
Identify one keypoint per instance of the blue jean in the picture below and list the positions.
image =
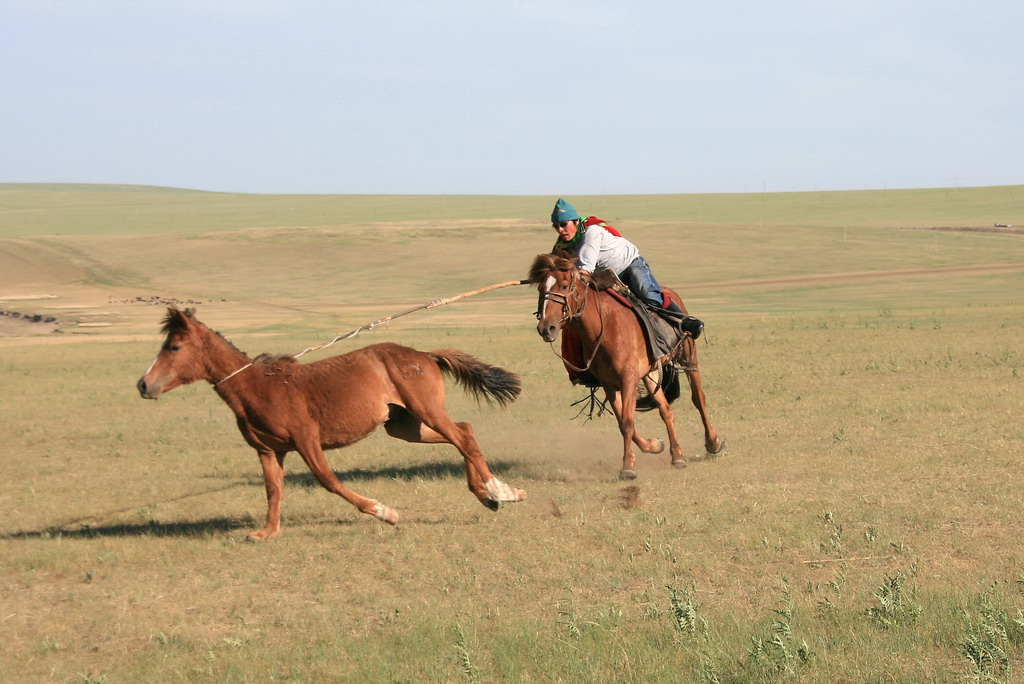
(639, 279)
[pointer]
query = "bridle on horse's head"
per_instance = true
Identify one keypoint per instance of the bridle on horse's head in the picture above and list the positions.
(568, 315)
(563, 299)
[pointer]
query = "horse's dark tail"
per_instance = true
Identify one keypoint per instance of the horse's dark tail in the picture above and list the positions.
(670, 385)
(483, 380)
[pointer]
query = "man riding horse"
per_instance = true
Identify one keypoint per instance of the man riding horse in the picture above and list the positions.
(599, 246)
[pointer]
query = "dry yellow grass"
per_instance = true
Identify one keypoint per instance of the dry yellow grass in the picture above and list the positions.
(869, 396)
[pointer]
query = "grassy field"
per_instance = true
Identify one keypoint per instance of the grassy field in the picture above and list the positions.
(863, 524)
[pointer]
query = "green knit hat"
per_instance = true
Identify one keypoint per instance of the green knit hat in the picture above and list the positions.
(564, 212)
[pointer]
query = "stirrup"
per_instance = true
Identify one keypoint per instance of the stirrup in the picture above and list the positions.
(692, 325)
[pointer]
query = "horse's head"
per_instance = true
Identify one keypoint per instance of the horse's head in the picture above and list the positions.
(557, 278)
(180, 360)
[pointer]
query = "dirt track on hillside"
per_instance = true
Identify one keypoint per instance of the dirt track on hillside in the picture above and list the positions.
(858, 276)
(24, 328)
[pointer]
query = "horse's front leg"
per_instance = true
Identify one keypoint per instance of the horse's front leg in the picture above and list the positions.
(273, 477)
(648, 446)
(625, 413)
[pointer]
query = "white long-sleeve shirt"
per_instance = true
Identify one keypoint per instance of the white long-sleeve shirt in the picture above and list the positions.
(601, 249)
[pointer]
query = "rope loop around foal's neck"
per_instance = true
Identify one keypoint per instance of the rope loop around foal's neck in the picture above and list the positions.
(225, 379)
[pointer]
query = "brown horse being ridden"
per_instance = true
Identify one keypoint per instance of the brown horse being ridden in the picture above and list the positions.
(281, 405)
(616, 353)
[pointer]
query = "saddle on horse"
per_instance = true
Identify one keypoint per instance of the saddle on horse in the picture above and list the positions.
(663, 339)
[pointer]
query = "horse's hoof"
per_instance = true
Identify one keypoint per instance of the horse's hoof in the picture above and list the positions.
(385, 514)
(681, 463)
(627, 474)
(492, 505)
(712, 449)
(659, 446)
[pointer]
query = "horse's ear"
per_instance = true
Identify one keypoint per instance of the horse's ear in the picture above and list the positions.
(190, 312)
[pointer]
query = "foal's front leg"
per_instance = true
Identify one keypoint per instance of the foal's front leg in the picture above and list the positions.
(273, 478)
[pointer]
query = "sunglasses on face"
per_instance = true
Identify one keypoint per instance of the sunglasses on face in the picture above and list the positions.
(562, 224)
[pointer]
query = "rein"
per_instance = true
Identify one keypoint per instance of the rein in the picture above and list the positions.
(387, 319)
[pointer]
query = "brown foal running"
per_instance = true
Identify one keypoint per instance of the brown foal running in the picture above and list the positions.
(282, 405)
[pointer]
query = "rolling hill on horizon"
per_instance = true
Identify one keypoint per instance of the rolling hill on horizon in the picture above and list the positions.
(82, 209)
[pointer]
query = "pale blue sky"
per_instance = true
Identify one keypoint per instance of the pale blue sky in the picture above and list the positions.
(521, 97)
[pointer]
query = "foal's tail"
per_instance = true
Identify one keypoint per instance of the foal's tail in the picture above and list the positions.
(483, 380)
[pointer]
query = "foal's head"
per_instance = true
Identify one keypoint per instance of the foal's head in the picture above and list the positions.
(182, 358)
(556, 277)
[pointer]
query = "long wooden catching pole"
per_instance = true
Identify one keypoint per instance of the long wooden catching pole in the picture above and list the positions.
(429, 305)
(387, 319)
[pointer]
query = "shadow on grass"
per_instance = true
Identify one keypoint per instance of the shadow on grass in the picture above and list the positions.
(78, 529)
(437, 470)
(198, 528)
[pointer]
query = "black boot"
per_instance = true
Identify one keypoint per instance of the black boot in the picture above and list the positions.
(692, 325)
(683, 322)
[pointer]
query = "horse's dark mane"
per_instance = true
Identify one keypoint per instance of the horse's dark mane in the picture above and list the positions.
(544, 264)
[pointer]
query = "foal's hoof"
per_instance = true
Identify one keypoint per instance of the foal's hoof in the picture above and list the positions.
(385, 514)
(681, 463)
(259, 535)
(499, 492)
(627, 474)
